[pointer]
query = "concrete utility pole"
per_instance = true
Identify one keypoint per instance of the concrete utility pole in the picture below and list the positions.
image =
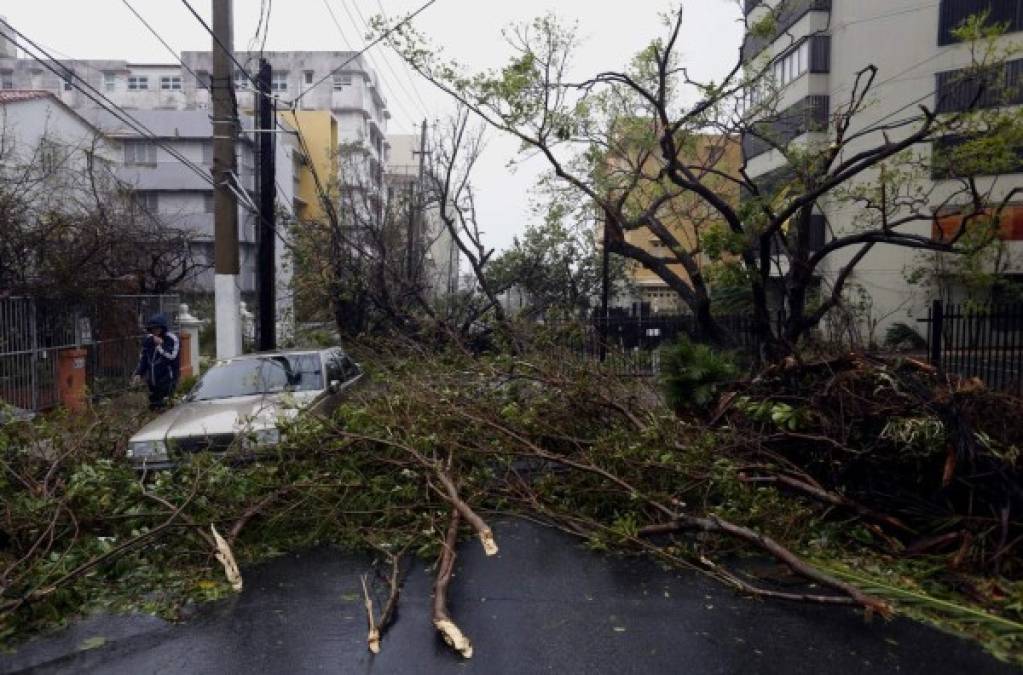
(225, 204)
(415, 227)
(266, 276)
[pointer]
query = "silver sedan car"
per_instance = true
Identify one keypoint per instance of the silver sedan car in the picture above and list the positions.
(241, 403)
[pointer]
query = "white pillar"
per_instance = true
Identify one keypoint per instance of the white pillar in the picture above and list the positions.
(248, 325)
(228, 315)
(190, 325)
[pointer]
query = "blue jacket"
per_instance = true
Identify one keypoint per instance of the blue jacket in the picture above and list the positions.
(160, 365)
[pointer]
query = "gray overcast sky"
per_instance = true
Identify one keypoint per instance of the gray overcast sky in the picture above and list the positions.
(469, 30)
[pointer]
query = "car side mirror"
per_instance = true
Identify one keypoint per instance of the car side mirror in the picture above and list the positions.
(335, 386)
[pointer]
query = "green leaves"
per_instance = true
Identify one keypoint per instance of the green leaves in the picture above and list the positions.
(693, 374)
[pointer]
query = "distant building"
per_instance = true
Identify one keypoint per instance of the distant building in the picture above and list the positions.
(340, 82)
(432, 236)
(315, 166)
(682, 216)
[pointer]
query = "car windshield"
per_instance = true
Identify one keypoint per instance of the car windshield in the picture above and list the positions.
(265, 375)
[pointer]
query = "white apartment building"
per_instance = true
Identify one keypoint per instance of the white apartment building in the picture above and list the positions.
(183, 200)
(321, 81)
(818, 49)
(175, 103)
(441, 250)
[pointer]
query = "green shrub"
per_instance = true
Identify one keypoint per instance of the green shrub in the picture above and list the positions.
(692, 375)
(903, 337)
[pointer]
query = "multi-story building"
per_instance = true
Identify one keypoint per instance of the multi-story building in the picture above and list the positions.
(151, 165)
(403, 182)
(341, 111)
(316, 167)
(817, 49)
(340, 82)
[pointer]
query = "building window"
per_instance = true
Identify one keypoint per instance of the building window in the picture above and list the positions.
(138, 83)
(342, 80)
(207, 202)
(207, 153)
(50, 156)
(1000, 12)
(279, 81)
(170, 83)
(308, 77)
(204, 79)
(139, 153)
(110, 81)
(792, 65)
(810, 115)
(973, 88)
(147, 201)
(6, 79)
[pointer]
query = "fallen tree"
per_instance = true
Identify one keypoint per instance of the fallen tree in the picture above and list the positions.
(437, 448)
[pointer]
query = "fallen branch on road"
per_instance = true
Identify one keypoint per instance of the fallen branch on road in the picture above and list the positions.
(442, 621)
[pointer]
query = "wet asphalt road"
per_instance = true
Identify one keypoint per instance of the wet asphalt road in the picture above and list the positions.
(543, 605)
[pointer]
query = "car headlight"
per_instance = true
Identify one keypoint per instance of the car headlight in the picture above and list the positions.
(146, 449)
(262, 437)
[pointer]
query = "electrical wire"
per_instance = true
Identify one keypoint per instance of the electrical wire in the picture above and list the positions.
(369, 56)
(373, 61)
(405, 67)
(375, 42)
(220, 44)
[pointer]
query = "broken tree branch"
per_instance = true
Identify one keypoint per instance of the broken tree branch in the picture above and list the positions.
(442, 621)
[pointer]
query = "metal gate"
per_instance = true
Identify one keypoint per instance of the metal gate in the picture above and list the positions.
(34, 331)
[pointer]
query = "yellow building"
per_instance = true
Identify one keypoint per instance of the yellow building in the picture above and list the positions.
(320, 138)
(685, 217)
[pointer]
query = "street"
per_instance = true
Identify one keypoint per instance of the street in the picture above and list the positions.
(544, 604)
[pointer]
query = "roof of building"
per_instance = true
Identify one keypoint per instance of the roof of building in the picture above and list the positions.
(19, 95)
(10, 96)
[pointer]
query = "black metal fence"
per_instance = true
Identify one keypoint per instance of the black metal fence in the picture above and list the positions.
(633, 343)
(978, 341)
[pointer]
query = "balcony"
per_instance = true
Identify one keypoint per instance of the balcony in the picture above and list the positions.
(788, 14)
(809, 115)
(961, 90)
(954, 12)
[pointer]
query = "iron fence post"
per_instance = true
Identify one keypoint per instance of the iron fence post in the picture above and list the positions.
(937, 330)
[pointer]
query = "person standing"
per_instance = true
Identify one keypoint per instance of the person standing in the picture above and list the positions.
(160, 362)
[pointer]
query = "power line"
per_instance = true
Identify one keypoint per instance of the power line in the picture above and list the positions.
(375, 42)
(405, 67)
(69, 76)
(226, 51)
(350, 46)
(369, 54)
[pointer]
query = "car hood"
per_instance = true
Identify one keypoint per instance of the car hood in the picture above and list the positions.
(226, 416)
